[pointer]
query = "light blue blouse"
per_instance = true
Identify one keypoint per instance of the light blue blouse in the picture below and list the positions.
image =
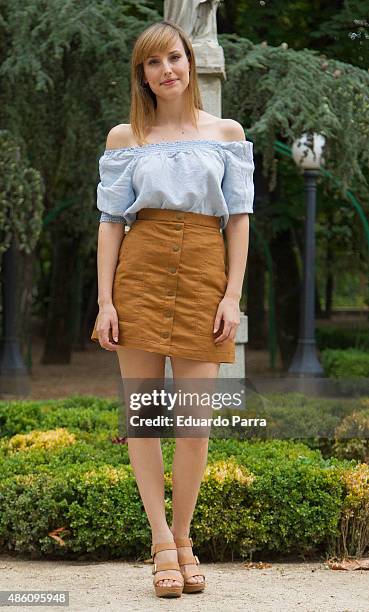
(204, 176)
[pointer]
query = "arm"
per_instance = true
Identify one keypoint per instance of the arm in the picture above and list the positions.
(237, 237)
(109, 240)
(237, 228)
(237, 243)
(110, 237)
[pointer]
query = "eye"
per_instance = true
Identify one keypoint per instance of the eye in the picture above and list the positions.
(153, 61)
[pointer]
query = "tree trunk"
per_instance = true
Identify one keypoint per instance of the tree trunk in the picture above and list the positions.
(287, 286)
(255, 302)
(226, 16)
(319, 313)
(92, 309)
(78, 339)
(25, 264)
(58, 337)
(329, 283)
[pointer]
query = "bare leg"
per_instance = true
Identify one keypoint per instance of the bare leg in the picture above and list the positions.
(189, 462)
(147, 461)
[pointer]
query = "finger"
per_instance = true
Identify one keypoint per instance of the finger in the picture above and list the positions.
(224, 335)
(217, 322)
(233, 332)
(232, 335)
(115, 330)
(105, 342)
(109, 346)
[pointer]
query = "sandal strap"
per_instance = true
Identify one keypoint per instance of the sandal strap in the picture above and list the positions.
(183, 542)
(161, 567)
(155, 548)
(189, 560)
(191, 574)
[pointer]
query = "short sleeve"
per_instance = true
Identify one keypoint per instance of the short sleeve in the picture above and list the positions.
(115, 192)
(238, 183)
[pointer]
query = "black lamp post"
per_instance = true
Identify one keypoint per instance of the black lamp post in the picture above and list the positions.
(305, 362)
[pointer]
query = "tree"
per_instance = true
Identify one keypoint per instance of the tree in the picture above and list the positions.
(279, 93)
(65, 82)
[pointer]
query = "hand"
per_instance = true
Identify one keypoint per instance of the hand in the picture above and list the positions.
(229, 313)
(107, 319)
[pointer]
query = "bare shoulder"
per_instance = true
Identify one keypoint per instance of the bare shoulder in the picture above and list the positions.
(217, 128)
(120, 136)
(231, 130)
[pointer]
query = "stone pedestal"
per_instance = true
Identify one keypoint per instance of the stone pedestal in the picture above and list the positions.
(210, 69)
(238, 368)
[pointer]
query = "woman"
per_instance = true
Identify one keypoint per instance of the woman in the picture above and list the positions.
(177, 176)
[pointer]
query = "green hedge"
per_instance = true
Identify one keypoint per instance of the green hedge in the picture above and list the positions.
(85, 413)
(71, 493)
(349, 363)
(342, 338)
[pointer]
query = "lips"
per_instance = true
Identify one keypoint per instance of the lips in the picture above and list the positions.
(169, 81)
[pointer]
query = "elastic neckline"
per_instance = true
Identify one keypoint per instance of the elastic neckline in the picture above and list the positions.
(177, 143)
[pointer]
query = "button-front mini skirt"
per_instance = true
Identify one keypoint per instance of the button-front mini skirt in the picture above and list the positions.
(170, 277)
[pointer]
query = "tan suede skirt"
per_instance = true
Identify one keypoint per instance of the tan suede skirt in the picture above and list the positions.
(170, 277)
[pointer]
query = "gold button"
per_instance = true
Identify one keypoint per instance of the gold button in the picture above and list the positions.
(168, 313)
(176, 248)
(179, 216)
(173, 270)
(171, 293)
(178, 227)
(165, 334)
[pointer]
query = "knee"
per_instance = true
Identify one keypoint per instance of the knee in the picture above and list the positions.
(192, 444)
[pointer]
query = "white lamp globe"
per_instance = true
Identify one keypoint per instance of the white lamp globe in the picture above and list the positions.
(307, 151)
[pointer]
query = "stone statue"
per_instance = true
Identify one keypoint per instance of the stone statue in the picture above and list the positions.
(196, 17)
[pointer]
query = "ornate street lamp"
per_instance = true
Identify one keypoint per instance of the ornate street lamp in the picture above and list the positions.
(307, 154)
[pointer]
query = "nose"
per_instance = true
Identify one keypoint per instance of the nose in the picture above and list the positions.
(167, 68)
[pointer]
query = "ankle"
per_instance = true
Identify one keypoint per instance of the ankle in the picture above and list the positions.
(180, 533)
(162, 535)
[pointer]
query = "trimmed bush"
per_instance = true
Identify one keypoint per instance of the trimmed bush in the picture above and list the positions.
(77, 413)
(354, 524)
(342, 338)
(350, 363)
(353, 437)
(67, 493)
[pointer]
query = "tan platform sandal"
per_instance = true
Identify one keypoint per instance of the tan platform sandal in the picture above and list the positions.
(166, 591)
(187, 559)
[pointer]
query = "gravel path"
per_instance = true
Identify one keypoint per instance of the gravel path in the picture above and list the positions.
(113, 586)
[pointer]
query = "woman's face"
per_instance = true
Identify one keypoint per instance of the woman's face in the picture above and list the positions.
(169, 65)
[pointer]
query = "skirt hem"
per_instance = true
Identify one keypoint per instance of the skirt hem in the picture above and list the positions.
(176, 351)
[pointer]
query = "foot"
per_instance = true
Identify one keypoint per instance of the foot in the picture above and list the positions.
(172, 577)
(187, 550)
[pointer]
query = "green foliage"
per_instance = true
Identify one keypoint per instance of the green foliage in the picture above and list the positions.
(282, 93)
(64, 82)
(21, 203)
(72, 493)
(353, 436)
(241, 508)
(353, 539)
(340, 29)
(349, 363)
(77, 413)
(342, 338)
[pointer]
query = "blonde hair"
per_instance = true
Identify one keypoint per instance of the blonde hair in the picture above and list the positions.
(158, 37)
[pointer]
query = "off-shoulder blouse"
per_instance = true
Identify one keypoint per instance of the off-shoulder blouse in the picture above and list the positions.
(201, 176)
